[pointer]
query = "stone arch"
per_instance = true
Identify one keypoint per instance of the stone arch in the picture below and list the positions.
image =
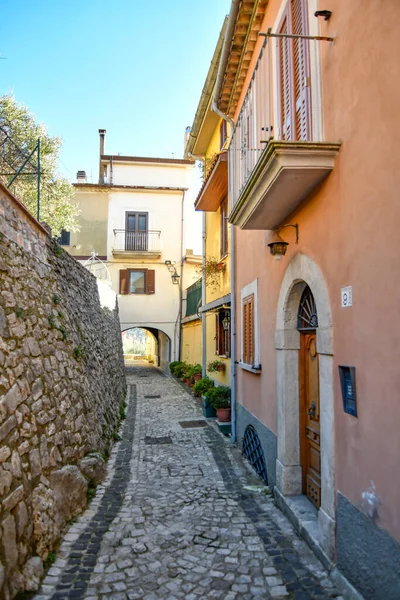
(303, 271)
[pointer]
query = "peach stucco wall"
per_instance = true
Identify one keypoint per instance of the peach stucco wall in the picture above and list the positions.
(349, 227)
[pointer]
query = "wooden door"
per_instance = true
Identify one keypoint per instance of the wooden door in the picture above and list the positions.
(310, 417)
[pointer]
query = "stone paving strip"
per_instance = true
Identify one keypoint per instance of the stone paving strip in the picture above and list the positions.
(174, 518)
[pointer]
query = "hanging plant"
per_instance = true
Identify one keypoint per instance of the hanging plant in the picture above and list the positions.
(211, 271)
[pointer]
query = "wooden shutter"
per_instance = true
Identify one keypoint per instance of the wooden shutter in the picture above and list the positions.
(285, 87)
(294, 75)
(224, 227)
(150, 284)
(248, 330)
(217, 336)
(301, 74)
(124, 281)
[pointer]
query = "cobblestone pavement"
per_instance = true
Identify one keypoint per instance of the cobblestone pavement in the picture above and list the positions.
(174, 518)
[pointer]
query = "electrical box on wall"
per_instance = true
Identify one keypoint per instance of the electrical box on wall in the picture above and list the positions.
(348, 384)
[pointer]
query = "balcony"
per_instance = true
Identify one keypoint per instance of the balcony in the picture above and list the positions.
(277, 155)
(136, 244)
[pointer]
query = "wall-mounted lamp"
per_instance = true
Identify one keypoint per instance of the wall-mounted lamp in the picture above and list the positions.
(167, 262)
(323, 13)
(277, 245)
(226, 321)
(175, 277)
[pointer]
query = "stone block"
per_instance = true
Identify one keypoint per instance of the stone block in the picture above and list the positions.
(70, 489)
(7, 427)
(9, 542)
(32, 574)
(12, 500)
(21, 518)
(13, 398)
(5, 481)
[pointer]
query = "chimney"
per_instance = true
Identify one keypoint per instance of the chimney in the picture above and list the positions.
(102, 133)
(81, 177)
(186, 137)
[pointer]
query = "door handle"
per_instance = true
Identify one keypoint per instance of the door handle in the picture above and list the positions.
(311, 410)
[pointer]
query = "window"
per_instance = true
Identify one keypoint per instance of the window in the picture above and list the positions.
(223, 134)
(248, 329)
(224, 227)
(250, 354)
(223, 332)
(64, 239)
(137, 281)
(136, 231)
(294, 74)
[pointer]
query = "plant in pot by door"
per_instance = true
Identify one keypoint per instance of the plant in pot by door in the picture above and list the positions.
(196, 372)
(187, 377)
(216, 366)
(220, 399)
(200, 389)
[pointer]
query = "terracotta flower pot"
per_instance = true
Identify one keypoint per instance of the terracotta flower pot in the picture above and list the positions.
(197, 377)
(188, 381)
(221, 368)
(224, 414)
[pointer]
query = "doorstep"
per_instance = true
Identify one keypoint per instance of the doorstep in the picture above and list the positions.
(224, 427)
(304, 517)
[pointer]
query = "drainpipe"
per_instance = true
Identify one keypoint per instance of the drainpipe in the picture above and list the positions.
(233, 336)
(233, 13)
(181, 278)
(203, 301)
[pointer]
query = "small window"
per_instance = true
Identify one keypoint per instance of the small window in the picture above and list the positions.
(224, 227)
(137, 282)
(64, 239)
(223, 332)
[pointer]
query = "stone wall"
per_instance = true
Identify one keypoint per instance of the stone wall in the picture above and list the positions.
(62, 383)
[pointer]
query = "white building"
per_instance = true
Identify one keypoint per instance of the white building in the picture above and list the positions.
(138, 219)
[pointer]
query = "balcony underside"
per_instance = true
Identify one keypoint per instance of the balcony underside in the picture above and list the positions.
(135, 254)
(284, 176)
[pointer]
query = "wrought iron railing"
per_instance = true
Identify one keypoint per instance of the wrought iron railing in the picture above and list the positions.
(136, 241)
(264, 116)
(193, 298)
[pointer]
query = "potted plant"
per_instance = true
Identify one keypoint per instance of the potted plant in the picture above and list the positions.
(195, 372)
(202, 386)
(220, 398)
(216, 366)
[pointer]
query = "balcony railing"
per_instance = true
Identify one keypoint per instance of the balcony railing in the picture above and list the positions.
(282, 104)
(141, 242)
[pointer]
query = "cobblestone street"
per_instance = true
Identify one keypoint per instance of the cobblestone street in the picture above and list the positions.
(174, 518)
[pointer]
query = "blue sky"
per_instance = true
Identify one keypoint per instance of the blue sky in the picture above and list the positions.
(135, 68)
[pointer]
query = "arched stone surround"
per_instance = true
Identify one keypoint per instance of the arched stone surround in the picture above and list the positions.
(303, 271)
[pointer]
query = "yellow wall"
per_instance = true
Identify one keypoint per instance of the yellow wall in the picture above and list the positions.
(92, 223)
(191, 342)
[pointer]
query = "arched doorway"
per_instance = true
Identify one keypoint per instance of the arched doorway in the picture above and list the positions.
(154, 345)
(309, 431)
(304, 345)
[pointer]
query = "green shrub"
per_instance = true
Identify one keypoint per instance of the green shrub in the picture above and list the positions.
(202, 386)
(181, 370)
(219, 397)
(194, 370)
(78, 352)
(173, 365)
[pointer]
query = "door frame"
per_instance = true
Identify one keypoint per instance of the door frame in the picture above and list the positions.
(303, 271)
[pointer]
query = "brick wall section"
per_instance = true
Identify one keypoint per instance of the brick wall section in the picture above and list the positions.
(62, 382)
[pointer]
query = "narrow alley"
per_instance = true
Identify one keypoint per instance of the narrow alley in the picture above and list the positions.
(177, 516)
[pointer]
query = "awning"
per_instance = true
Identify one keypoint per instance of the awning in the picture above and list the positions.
(215, 303)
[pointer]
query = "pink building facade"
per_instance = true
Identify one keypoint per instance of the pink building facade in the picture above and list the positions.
(313, 101)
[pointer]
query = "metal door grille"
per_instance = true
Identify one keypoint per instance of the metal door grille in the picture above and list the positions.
(254, 453)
